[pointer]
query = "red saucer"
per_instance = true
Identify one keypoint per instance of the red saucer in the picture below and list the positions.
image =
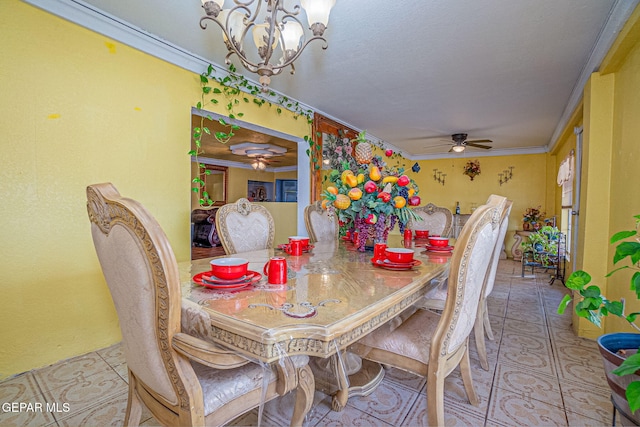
(207, 280)
(284, 246)
(440, 249)
(386, 264)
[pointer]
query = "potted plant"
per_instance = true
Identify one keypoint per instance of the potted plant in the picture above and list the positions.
(619, 350)
(543, 245)
(532, 218)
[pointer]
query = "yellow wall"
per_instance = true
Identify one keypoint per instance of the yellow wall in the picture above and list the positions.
(526, 189)
(78, 108)
(625, 172)
(609, 199)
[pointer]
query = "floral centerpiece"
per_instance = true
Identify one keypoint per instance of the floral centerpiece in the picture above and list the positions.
(532, 218)
(370, 198)
(472, 168)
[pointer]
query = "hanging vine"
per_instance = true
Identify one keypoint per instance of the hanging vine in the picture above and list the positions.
(233, 89)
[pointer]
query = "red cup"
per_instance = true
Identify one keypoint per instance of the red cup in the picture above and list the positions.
(303, 239)
(408, 235)
(379, 251)
(295, 248)
(422, 234)
(276, 270)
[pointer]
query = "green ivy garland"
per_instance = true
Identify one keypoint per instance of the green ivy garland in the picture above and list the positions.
(232, 89)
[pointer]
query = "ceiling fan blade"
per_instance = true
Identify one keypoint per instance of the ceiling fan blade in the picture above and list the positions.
(470, 144)
(480, 140)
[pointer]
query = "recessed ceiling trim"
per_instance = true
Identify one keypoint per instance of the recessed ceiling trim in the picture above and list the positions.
(473, 153)
(240, 165)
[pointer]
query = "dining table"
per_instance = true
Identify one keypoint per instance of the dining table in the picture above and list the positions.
(334, 295)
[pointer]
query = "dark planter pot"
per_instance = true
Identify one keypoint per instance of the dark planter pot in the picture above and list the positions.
(609, 345)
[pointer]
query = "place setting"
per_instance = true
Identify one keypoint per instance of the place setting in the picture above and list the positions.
(393, 258)
(227, 274)
(439, 245)
(297, 245)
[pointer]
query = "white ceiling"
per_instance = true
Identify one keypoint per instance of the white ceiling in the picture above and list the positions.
(413, 72)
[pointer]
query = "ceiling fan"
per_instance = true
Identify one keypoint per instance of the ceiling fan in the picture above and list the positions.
(460, 142)
(261, 162)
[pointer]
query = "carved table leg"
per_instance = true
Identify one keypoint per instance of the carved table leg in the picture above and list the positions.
(360, 379)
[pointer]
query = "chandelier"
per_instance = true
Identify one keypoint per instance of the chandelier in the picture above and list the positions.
(281, 30)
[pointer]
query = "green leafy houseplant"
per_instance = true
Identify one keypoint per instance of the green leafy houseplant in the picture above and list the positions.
(594, 305)
(543, 244)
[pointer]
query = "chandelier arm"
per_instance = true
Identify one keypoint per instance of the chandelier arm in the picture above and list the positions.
(233, 49)
(246, 64)
(295, 11)
(297, 54)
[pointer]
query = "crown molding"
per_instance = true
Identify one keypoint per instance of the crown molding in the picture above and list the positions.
(467, 153)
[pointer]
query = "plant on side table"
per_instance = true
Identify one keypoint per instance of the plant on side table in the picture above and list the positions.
(619, 350)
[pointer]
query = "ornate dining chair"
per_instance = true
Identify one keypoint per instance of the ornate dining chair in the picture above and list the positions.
(438, 220)
(243, 226)
(482, 325)
(433, 345)
(182, 379)
(435, 299)
(321, 226)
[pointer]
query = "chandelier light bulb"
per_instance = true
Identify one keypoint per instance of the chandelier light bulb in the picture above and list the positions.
(281, 30)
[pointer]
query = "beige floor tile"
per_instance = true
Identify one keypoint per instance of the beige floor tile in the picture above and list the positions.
(522, 326)
(592, 402)
(33, 415)
(70, 371)
(113, 355)
(351, 417)
(405, 379)
(86, 392)
(20, 388)
(454, 415)
(529, 385)
(388, 402)
(577, 420)
(509, 408)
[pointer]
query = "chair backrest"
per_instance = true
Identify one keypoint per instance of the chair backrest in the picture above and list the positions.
(438, 220)
(243, 226)
(469, 266)
(504, 224)
(321, 225)
(142, 274)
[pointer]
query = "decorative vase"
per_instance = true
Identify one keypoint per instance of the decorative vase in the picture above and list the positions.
(526, 226)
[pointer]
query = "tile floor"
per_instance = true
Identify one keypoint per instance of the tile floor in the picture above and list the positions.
(540, 374)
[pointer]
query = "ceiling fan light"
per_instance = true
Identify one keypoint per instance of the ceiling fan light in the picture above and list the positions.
(254, 165)
(458, 148)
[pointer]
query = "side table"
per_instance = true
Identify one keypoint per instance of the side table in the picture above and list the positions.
(516, 249)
